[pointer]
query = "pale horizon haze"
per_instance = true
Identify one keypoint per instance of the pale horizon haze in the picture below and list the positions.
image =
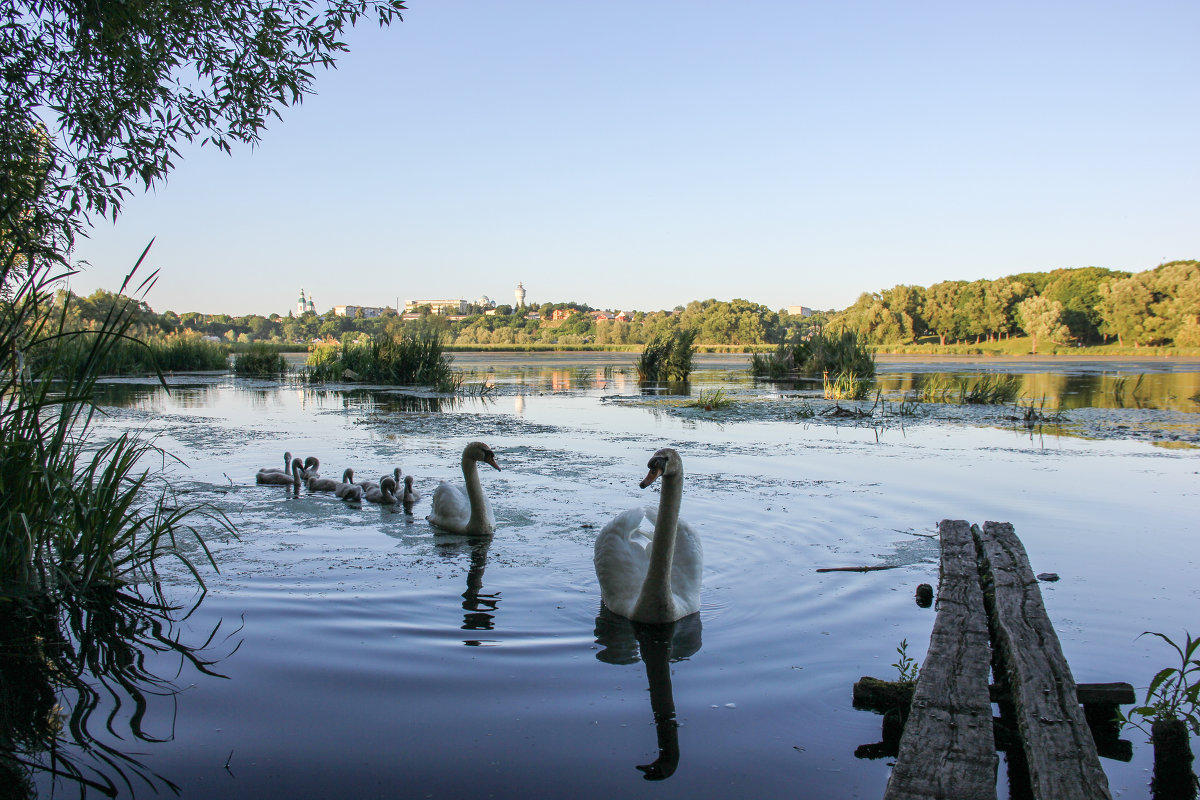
(640, 155)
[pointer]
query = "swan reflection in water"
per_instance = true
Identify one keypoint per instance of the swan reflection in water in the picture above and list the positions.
(477, 604)
(659, 645)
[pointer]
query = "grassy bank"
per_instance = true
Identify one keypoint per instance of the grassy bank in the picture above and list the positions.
(1023, 346)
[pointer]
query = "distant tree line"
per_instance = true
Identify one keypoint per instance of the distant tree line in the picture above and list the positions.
(736, 322)
(1089, 305)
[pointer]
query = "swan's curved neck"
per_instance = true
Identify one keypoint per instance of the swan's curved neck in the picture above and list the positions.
(656, 602)
(480, 521)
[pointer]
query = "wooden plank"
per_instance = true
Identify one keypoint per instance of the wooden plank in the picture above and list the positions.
(947, 750)
(1104, 694)
(1063, 764)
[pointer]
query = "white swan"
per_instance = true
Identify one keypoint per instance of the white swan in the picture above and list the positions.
(460, 511)
(410, 494)
(318, 484)
(658, 582)
(287, 466)
(283, 479)
(385, 494)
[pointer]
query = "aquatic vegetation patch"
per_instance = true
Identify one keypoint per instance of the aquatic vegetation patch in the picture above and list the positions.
(667, 357)
(816, 354)
(260, 362)
(847, 385)
(711, 399)
(989, 389)
(406, 359)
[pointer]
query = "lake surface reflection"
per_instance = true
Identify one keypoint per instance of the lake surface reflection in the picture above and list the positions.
(375, 657)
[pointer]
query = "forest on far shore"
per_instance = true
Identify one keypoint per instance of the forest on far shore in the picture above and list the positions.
(1065, 307)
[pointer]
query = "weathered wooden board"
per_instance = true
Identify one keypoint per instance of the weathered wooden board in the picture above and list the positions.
(947, 750)
(1063, 764)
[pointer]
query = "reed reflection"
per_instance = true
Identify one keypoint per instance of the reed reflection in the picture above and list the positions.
(478, 605)
(114, 656)
(658, 646)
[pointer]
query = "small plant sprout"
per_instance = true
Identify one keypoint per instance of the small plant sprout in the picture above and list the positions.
(908, 667)
(1174, 692)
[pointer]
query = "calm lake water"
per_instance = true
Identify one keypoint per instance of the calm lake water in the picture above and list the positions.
(359, 653)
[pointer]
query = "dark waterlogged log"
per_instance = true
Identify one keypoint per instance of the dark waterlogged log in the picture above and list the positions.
(947, 749)
(1063, 763)
(1173, 776)
(872, 694)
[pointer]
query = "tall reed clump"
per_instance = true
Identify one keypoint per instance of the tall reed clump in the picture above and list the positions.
(260, 361)
(75, 513)
(409, 359)
(667, 357)
(819, 354)
(991, 389)
(126, 354)
(846, 386)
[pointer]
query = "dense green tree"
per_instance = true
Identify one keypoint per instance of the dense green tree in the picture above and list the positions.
(941, 310)
(1042, 319)
(1001, 297)
(96, 97)
(1079, 292)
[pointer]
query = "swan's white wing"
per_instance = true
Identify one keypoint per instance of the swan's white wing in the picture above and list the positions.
(687, 565)
(451, 508)
(621, 562)
(687, 568)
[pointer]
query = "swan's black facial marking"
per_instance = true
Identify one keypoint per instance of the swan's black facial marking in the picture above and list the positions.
(490, 458)
(657, 464)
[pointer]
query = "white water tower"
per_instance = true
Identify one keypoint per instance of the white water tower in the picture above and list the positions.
(520, 295)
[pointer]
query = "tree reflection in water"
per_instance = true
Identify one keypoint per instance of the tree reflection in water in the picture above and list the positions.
(477, 604)
(65, 663)
(659, 646)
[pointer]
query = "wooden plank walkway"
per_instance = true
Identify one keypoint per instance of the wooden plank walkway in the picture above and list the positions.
(950, 703)
(1063, 763)
(988, 593)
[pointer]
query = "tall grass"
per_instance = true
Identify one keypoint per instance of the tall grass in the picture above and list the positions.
(820, 353)
(260, 362)
(667, 357)
(74, 513)
(990, 389)
(409, 359)
(846, 386)
(124, 353)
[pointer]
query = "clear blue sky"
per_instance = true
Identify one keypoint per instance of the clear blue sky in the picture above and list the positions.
(638, 154)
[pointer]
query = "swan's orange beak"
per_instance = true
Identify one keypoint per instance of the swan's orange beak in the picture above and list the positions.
(491, 460)
(651, 476)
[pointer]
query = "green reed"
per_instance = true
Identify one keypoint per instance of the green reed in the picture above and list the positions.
(819, 353)
(74, 513)
(989, 389)
(847, 386)
(667, 357)
(408, 359)
(711, 399)
(260, 362)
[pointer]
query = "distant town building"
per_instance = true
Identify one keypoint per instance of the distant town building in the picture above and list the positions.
(799, 311)
(305, 305)
(520, 295)
(562, 313)
(438, 306)
(485, 302)
(368, 312)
